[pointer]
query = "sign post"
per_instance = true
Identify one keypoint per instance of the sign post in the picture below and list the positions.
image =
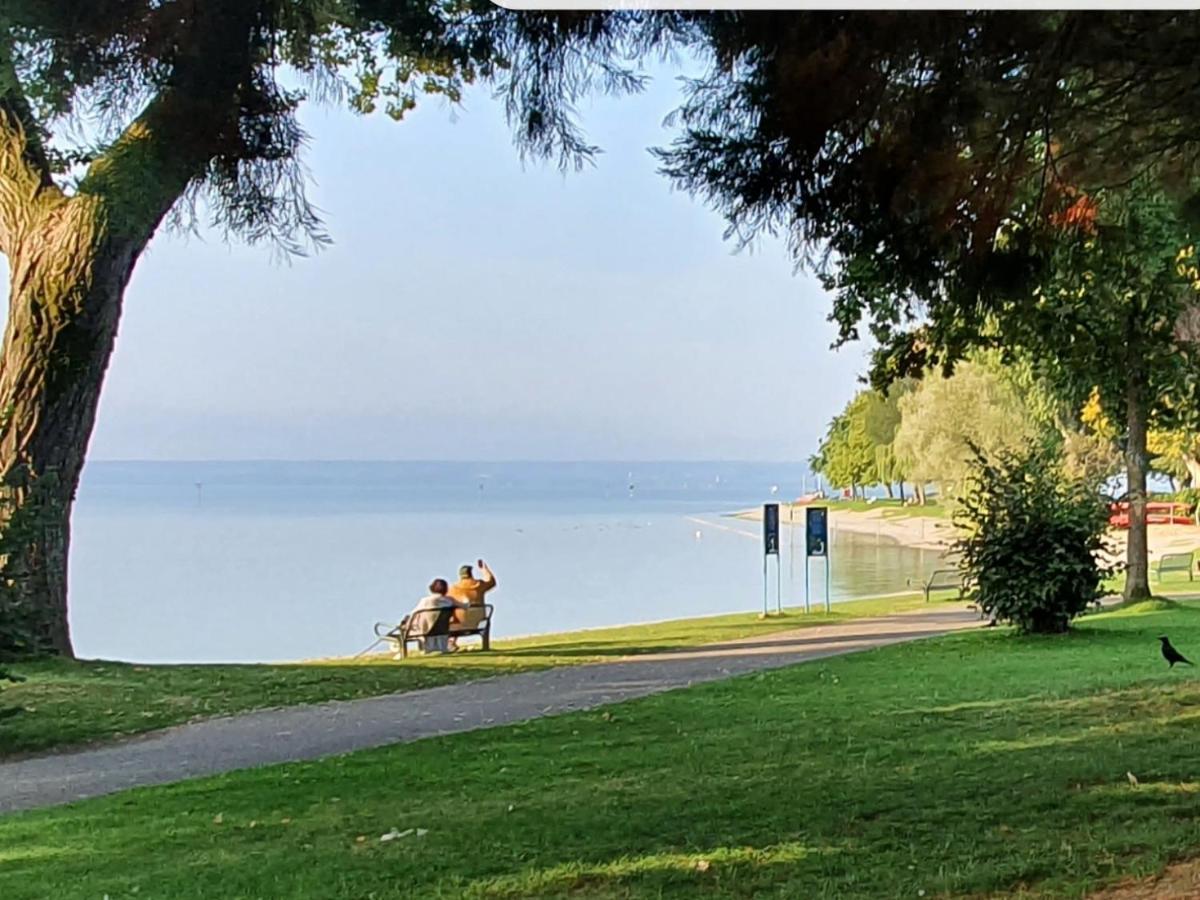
(771, 548)
(816, 543)
(791, 551)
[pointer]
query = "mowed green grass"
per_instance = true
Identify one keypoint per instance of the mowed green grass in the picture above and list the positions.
(73, 702)
(979, 764)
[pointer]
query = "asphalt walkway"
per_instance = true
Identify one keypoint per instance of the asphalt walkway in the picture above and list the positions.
(261, 738)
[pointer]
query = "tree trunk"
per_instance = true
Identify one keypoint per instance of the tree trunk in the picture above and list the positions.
(71, 257)
(902, 500)
(1137, 572)
(67, 280)
(890, 493)
(1193, 468)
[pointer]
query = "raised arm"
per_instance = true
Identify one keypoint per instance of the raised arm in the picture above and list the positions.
(488, 579)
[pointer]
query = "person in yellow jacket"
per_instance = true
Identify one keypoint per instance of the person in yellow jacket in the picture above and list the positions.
(471, 590)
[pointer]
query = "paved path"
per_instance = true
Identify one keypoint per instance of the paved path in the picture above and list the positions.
(308, 732)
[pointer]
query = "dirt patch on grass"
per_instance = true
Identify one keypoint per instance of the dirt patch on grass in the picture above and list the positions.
(1179, 881)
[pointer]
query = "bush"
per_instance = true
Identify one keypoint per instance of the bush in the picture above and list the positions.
(1033, 544)
(1190, 496)
(6, 675)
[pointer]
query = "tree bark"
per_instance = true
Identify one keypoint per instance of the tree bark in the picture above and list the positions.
(1137, 572)
(71, 258)
(67, 280)
(902, 499)
(890, 493)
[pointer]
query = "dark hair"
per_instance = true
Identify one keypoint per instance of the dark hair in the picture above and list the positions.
(438, 586)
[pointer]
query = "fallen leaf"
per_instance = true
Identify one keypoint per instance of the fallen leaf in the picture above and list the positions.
(421, 832)
(1133, 782)
(218, 818)
(361, 839)
(703, 865)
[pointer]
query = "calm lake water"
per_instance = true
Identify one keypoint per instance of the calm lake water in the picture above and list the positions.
(263, 561)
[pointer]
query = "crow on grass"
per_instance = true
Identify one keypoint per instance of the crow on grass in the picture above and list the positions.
(1171, 655)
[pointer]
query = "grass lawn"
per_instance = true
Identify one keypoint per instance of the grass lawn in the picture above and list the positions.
(972, 765)
(69, 703)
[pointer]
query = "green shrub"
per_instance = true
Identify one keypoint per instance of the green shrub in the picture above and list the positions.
(1190, 496)
(6, 675)
(1033, 543)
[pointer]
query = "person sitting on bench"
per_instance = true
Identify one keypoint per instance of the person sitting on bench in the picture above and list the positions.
(424, 616)
(469, 591)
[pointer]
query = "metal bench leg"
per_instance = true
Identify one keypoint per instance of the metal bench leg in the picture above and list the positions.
(487, 637)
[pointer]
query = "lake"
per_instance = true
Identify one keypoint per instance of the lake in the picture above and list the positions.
(266, 561)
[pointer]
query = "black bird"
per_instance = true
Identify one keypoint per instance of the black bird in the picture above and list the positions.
(1171, 655)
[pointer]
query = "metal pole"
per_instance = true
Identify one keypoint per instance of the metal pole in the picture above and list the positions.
(807, 605)
(791, 549)
(828, 566)
(778, 586)
(764, 585)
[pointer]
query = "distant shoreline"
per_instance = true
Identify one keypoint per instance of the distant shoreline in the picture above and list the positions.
(915, 531)
(928, 533)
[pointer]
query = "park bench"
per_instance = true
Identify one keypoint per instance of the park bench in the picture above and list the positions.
(1177, 562)
(402, 635)
(943, 580)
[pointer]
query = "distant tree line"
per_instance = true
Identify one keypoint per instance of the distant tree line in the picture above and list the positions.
(933, 431)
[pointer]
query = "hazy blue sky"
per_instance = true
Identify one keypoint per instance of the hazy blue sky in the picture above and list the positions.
(473, 309)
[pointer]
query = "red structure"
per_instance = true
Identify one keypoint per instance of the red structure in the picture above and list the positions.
(1156, 514)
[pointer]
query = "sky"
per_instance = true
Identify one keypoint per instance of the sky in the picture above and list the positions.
(472, 307)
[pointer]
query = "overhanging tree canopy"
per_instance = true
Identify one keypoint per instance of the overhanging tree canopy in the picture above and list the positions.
(116, 114)
(892, 149)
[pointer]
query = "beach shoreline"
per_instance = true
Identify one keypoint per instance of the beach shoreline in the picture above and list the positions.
(920, 532)
(915, 531)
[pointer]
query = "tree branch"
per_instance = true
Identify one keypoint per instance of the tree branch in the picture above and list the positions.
(149, 166)
(25, 180)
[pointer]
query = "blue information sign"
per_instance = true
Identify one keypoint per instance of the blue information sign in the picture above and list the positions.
(771, 529)
(816, 530)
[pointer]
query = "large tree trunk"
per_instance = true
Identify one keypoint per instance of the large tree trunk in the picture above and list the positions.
(67, 280)
(902, 500)
(890, 493)
(1137, 572)
(71, 258)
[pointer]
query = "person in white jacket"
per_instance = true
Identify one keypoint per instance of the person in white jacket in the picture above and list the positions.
(437, 599)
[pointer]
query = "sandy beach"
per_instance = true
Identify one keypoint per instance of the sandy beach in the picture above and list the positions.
(930, 533)
(886, 523)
